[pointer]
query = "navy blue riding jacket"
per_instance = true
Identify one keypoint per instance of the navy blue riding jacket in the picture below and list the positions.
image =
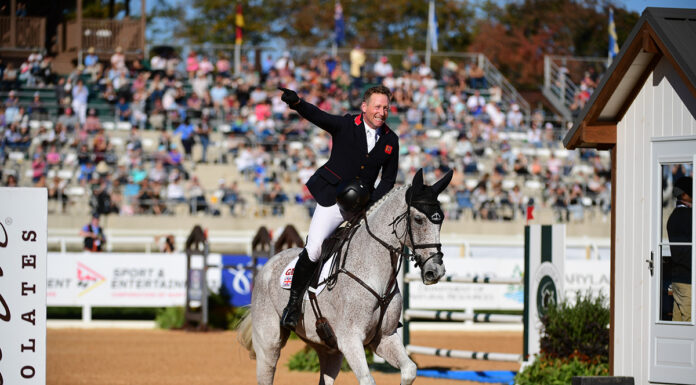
(349, 157)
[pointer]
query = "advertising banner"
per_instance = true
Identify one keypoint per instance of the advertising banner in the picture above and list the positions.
(236, 279)
(462, 296)
(23, 219)
(116, 279)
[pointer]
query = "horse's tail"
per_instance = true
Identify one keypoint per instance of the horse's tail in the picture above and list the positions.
(244, 334)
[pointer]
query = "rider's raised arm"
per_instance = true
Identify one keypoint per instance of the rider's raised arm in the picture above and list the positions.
(324, 120)
(327, 122)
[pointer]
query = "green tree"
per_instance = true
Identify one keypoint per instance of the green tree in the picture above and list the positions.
(389, 24)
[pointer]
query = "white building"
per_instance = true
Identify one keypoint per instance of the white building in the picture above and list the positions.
(644, 112)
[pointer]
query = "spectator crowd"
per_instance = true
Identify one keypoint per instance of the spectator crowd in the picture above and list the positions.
(56, 132)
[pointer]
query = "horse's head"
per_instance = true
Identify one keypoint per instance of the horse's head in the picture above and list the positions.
(424, 220)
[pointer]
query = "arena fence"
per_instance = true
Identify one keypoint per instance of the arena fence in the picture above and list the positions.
(544, 256)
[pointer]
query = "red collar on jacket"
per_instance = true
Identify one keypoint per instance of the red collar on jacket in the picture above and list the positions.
(358, 120)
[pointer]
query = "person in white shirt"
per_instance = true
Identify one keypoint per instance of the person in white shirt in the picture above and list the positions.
(514, 117)
(382, 69)
(79, 102)
(475, 103)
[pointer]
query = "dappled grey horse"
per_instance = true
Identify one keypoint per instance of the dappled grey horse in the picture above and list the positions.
(364, 305)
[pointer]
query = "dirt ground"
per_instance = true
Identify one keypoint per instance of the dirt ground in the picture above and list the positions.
(154, 357)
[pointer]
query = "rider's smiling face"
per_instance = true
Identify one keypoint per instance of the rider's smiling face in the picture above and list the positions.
(375, 110)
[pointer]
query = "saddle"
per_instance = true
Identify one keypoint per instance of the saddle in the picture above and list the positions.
(332, 246)
(330, 251)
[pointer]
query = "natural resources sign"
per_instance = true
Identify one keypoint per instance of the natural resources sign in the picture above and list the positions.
(23, 214)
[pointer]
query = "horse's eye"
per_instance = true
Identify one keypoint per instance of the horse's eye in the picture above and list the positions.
(419, 220)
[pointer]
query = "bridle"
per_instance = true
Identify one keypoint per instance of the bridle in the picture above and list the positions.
(395, 253)
(411, 253)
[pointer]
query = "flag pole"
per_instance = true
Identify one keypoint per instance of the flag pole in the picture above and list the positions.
(429, 33)
(237, 58)
(239, 23)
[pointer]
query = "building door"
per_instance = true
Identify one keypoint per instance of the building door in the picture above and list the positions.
(671, 261)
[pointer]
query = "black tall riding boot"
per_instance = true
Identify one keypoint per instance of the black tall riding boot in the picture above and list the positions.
(300, 281)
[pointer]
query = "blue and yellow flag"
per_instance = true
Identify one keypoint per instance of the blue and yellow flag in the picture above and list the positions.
(613, 40)
(432, 25)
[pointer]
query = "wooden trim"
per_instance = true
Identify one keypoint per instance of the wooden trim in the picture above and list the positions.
(646, 40)
(614, 79)
(639, 86)
(612, 264)
(648, 43)
(607, 90)
(574, 141)
(599, 134)
(13, 23)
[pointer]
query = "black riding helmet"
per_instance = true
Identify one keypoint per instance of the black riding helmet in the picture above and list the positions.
(683, 185)
(352, 196)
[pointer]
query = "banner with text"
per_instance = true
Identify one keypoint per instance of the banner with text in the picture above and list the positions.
(580, 275)
(116, 279)
(23, 220)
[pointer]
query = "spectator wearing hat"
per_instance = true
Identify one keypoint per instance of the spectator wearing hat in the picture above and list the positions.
(118, 60)
(11, 106)
(679, 229)
(382, 69)
(91, 61)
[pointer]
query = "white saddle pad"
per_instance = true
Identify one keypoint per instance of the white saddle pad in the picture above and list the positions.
(286, 277)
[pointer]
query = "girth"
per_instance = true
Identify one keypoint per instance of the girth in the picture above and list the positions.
(333, 246)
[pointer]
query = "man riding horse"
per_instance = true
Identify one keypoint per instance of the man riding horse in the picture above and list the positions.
(362, 146)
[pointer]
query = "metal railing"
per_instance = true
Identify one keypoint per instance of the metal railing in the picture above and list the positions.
(562, 76)
(495, 77)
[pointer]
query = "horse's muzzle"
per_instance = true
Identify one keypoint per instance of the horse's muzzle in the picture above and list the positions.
(433, 269)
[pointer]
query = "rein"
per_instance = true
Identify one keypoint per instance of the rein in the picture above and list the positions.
(395, 254)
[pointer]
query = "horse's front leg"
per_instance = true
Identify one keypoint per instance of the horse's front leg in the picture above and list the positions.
(330, 365)
(352, 348)
(393, 351)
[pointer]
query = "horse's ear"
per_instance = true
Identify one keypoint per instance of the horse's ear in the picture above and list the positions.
(418, 179)
(440, 185)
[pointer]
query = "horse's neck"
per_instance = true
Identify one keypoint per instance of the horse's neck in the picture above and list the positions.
(368, 258)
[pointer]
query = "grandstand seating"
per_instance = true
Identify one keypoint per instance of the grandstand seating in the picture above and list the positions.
(291, 144)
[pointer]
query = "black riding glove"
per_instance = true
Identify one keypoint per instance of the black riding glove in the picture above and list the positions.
(289, 96)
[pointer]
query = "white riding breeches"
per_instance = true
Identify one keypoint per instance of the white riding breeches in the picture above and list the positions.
(324, 222)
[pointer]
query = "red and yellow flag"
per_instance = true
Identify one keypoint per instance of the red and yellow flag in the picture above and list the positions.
(239, 22)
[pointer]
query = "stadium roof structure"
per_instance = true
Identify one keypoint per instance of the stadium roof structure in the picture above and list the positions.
(660, 32)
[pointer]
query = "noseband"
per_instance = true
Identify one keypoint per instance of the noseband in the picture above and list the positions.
(414, 256)
(395, 253)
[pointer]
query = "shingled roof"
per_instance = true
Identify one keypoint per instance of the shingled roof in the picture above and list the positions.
(660, 32)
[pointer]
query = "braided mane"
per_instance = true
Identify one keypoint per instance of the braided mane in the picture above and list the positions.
(386, 196)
